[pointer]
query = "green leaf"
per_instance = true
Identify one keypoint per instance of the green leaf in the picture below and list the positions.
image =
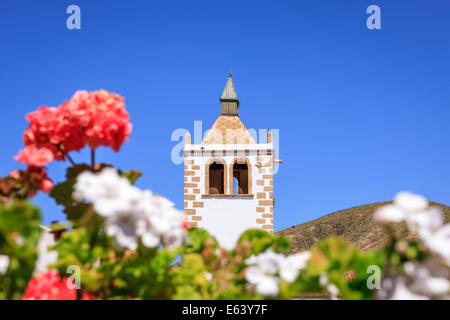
(160, 264)
(73, 172)
(62, 193)
(186, 292)
(198, 237)
(19, 234)
(260, 240)
(336, 258)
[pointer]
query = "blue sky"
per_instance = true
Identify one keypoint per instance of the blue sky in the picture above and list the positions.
(362, 113)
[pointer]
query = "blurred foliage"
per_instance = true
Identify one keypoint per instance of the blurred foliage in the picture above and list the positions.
(199, 269)
(210, 272)
(344, 265)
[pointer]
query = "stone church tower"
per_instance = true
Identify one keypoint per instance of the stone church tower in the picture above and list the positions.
(228, 178)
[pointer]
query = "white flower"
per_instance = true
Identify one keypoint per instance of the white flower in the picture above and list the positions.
(425, 283)
(123, 228)
(291, 266)
(438, 242)
(175, 237)
(424, 221)
(4, 264)
(420, 281)
(430, 278)
(45, 257)
(264, 284)
(265, 270)
(411, 208)
(130, 213)
(106, 190)
(396, 289)
(268, 286)
(389, 213)
(261, 272)
(162, 221)
(208, 276)
(150, 239)
(331, 288)
(409, 201)
(333, 291)
(268, 261)
(19, 240)
(254, 275)
(323, 279)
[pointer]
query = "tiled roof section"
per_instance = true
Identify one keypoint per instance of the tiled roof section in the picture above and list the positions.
(228, 130)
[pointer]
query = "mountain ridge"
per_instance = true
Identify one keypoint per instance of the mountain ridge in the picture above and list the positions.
(354, 224)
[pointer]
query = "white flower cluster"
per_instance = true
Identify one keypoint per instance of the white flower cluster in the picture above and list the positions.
(427, 280)
(130, 213)
(266, 269)
(4, 264)
(431, 278)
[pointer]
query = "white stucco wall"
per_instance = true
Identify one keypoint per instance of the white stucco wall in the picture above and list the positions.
(227, 219)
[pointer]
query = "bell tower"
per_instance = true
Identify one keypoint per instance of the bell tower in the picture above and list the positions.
(228, 177)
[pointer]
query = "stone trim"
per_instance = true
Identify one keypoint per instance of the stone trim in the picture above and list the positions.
(264, 192)
(265, 202)
(190, 185)
(198, 204)
(227, 152)
(227, 196)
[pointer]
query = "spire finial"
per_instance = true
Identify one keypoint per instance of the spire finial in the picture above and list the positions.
(229, 74)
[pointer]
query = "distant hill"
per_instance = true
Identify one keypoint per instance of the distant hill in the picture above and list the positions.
(355, 225)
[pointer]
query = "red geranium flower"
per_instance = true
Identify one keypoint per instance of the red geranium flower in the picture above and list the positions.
(50, 128)
(102, 115)
(96, 118)
(33, 157)
(47, 285)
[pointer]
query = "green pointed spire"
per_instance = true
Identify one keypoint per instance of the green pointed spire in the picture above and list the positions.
(229, 101)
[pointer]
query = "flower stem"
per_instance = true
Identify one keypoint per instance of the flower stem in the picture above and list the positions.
(92, 159)
(70, 159)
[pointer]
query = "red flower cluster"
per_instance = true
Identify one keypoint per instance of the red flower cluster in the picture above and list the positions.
(48, 285)
(101, 116)
(35, 175)
(94, 118)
